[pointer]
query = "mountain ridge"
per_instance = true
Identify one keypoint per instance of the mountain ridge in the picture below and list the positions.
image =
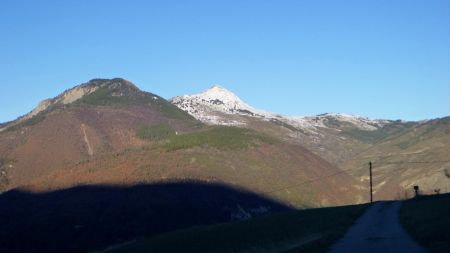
(210, 106)
(350, 142)
(333, 136)
(96, 91)
(216, 96)
(104, 116)
(126, 136)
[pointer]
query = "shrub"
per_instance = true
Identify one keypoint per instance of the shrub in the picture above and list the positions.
(105, 96)
(28, 122)
(155, 132)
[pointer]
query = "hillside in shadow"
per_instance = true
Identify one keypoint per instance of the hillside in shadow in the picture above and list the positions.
(93, 217)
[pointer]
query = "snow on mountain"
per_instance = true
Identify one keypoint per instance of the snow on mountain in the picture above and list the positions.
(213, 105)
(206, 105)
(325, 120)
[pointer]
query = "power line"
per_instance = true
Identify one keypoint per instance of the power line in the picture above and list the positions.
(409, 169)
(345, 171)
(410, 162)
(406, 162)
(403, 168)
(305, 182)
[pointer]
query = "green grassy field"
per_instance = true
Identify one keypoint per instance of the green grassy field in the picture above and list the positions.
(312, 230)
(218, 137)
(427, 219)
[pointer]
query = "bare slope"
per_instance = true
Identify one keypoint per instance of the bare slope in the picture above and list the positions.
(237, 157)
(404, 153)
(97, 117)
(419, 156)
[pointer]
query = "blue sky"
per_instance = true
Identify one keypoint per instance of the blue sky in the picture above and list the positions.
(382, 59)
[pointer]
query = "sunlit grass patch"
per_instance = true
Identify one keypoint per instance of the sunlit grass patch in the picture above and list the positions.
(218, 137)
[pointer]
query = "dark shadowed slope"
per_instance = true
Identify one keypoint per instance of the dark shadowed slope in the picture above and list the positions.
(93, 217)
(427, 219)
(308, 231)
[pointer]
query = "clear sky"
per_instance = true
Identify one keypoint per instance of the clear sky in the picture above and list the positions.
(382, 59)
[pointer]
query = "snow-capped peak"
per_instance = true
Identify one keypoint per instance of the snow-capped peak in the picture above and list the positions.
(217, 92)
(217, 88)
(218, 99)
(205, 106)
(211, 105)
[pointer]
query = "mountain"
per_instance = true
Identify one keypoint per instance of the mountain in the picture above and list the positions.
(209, 105)
(94, 118)
(418, 156)
(212, 105)
(334, 136)
(109, 140)
(97, 92)
(346, 141)
(108, 131)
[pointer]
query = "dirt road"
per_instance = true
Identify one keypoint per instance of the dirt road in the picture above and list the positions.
(378, 230)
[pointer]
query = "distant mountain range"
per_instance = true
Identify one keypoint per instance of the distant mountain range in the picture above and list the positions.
(206, 105)
(335, 137)
(109, 131)
(403, 153)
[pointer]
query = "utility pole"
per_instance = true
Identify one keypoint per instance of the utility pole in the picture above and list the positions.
(370, 174)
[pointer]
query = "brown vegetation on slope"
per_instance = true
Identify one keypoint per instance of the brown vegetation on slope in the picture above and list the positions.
(94, 142)
(418, 156)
